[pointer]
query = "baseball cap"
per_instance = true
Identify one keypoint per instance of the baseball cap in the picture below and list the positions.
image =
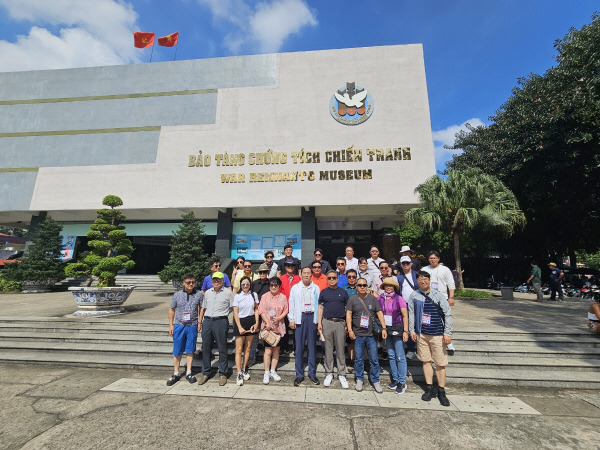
(217, 275)
(405, 248)
(290, 262)
(405, 259)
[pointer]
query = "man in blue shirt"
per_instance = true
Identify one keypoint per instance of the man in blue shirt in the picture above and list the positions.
(215, 266)
(430, 325)
(556, 276)
(332, 325)
(341, 271)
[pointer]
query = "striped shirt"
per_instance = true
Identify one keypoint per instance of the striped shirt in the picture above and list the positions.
(436, 326)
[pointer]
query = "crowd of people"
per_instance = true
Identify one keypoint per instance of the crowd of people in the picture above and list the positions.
(352, 308)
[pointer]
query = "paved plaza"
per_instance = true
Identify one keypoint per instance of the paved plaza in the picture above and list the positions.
(64, 407)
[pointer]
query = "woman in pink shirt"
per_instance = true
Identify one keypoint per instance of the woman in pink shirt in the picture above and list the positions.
(273, 309)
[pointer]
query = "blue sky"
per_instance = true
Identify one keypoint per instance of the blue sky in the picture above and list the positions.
(475, 50)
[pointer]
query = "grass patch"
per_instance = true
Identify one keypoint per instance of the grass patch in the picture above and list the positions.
(471, 293)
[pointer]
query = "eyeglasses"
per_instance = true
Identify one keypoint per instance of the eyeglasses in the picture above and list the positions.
(374, 251)
(384, 267)
(405, 263)
(273, 284)
(332, 278)
(316, 267)
(190, 282)
(361, 285)
(269, 257)
(341, 264)
(351, 276)
(216, 265)
(217, 280)
(245, 284)
(264, 271)
(248, 266)
(318, 254)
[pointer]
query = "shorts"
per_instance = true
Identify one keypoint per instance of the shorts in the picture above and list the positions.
(246, 323)
(432, 348)
(184, 339)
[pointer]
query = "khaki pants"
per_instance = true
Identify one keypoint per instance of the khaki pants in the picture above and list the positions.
(335, 335)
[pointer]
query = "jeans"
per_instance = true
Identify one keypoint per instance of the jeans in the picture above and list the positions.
(395, 349)
(359, 362)
(555, 286)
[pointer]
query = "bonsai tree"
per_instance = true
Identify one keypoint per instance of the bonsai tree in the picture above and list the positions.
(42, 260)
(187, 252)
(110, 248)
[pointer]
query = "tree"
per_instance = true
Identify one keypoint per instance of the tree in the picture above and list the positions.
(420, 239)
(42, 260)
(544, 144)
(463, 200)
(187, 251)
(111, 250)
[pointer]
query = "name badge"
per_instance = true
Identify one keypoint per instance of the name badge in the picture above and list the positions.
(388, 321)
(425, 319)
(308, 307)
(364, 321)
(434, 285)
(186, 317)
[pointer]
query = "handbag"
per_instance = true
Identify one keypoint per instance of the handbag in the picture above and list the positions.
(270, 338)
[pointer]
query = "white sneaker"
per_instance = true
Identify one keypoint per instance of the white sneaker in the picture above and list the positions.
(450, 347)
(410, 355)
(359, 385)
(328, 379)
(266, 378)
(343, 382)
(246, 376)
(275, 376)
(240, 379)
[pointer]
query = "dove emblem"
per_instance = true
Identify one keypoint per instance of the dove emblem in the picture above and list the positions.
(351, 105)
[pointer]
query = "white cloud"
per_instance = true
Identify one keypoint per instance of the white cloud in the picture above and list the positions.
(446, 137)
(91, 33)
(264, 28)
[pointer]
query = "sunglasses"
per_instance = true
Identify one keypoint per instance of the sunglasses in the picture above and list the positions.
(332, 278)
(374, 251)
(340, 264)
(217, 280)
(264, 271)
(269, 257)
(351, 276)
(273, 284)
(405, 263)
(189, 282)
(248, 266)
(216, 265)
(318, 254)
(361, 285)
(383, 267)
(316, 267)
(245, 284)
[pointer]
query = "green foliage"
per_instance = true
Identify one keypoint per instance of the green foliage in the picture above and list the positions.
(13, 231)
(591, 260)
(111, 250)
(544, 144)
(464, 200)
(421, 240)
(7, 285)
(187, 251)
(42, 260)
(471, 293)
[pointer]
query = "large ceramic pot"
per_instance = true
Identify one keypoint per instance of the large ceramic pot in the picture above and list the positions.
(34, 287)
(100, 301)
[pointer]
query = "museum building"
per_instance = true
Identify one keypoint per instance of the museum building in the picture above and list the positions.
(312, 149)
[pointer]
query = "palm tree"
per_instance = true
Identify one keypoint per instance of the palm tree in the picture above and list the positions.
(461, 201)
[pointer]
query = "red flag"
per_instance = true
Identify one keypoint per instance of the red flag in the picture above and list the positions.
(142, 39)
(169, 40)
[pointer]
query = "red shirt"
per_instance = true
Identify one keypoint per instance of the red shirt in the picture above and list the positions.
(286, 285)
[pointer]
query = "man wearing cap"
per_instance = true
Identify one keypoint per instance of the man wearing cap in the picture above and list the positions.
(406, 251)
(556, 276)
(536, 281)
(332, 324)
(304, 303)
(407, 279)
(288, 279)
(360, 317)
(287, 255)
(184, 326)
(215, 266)
(319, 255)
(374, 261)
(430, 325)
(214, 320)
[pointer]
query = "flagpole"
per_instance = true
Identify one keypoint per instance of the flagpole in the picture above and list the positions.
(152, 52)
(176, 45)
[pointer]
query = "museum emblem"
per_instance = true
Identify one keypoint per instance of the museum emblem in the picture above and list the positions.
(351, 105)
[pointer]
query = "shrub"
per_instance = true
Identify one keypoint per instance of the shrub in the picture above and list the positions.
(471, 293)
(7, 285)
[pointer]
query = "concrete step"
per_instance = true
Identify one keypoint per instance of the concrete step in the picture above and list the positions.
(458, 375)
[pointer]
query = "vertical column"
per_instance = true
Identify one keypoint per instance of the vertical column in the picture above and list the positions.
(224, 233)
(308, 234)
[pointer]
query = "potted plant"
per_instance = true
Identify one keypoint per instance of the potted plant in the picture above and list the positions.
(110, 252)
(187, 253)
(42, 265)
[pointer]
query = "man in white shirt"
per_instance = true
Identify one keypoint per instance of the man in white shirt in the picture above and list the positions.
(441, 280)
(374, 261)
(351, 261)
(304, 304)
(407, 279)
